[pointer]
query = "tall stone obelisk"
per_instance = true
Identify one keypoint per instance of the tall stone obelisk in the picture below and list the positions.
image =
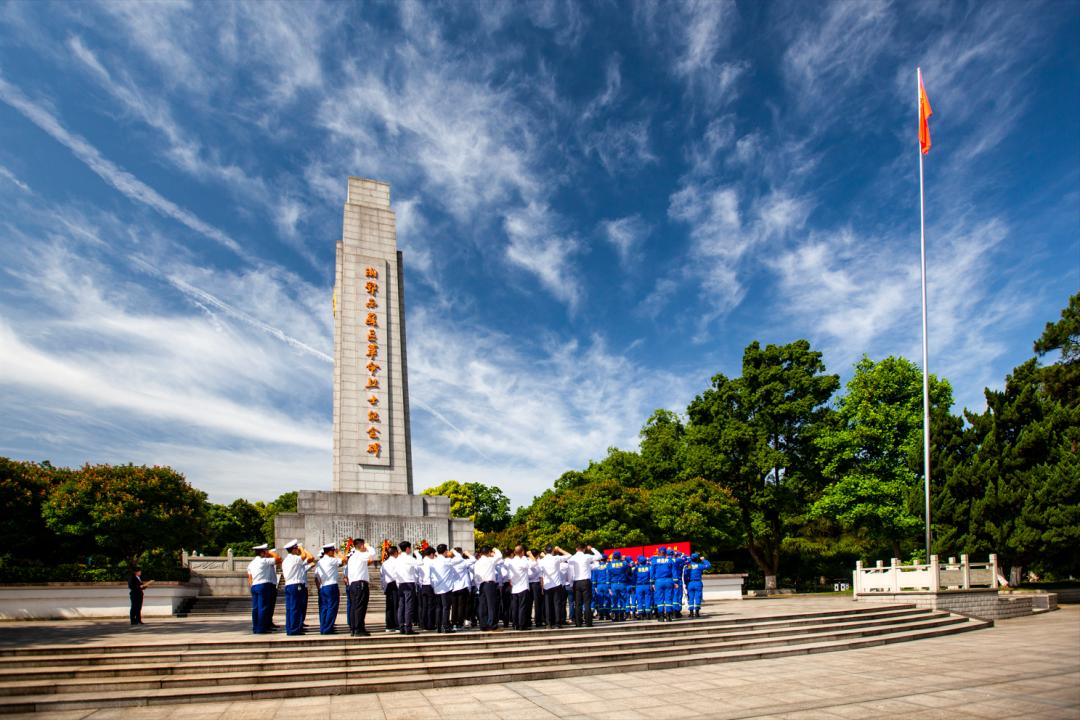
(371, 493)
(372, 451)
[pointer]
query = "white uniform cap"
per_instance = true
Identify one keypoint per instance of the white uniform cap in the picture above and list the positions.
(264, 546)
(291, 544)
(329, 546)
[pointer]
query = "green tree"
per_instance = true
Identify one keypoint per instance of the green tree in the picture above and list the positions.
(1029, 512)
(1062, 379)
(125, 510)
(238, 525)
(24, 486)
(699, 510)
(486, 505)
(753, 435)
(602, 513)
(867, 451)
(284, 503)
(663, 445)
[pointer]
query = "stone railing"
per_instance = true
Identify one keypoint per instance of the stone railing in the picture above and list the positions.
(934, 576)
(227, 563)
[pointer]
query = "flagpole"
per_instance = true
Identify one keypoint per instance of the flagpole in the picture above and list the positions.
(925, 347)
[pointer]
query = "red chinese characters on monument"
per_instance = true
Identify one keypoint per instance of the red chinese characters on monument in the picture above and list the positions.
(371, 320)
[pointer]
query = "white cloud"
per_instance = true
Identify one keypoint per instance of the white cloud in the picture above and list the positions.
(120, 179)
(536, 245)
(14, 180)
(626, 234)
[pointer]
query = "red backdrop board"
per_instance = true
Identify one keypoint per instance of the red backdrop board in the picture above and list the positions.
(649, 550)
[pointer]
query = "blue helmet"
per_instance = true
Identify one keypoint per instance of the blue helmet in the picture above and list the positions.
(616, 555)
(694, 556)
(641, 558)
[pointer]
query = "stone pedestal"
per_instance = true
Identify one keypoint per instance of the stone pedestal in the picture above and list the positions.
(330, 517)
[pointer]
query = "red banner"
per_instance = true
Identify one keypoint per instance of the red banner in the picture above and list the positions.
(649, 550)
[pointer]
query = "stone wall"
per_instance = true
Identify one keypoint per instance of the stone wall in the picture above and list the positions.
(58, 601)
(984, 603)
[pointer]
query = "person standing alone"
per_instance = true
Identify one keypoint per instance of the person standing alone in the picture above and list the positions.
(135, 590)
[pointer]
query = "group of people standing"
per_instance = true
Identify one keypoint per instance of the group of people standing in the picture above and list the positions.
(444, 589)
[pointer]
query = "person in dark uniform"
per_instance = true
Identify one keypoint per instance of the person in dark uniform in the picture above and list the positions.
(135, 590)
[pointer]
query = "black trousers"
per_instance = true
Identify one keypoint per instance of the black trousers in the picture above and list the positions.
(504, 604)
(519, 609)
(536, 591)
(555, 606)
(359, 592)
(136, 608)
(442, 610)
(583, 602)
(459, 607)
(391, 595)
(428, 607)
(489, 605)
(406, 606)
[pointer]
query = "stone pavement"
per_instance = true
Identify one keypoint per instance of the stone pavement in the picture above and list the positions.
(1027, 667)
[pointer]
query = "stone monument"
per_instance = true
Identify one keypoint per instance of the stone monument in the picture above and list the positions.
(371, 494)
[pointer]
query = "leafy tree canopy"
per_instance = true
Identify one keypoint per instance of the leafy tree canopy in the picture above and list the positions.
(486, 505)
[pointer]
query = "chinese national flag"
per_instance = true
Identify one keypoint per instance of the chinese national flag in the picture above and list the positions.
(924, 116)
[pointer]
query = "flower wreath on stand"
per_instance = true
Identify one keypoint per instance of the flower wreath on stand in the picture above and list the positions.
(385, 550)
(346, 547)
(424, 545)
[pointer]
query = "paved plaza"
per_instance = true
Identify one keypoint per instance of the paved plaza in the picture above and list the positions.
(1027, 667)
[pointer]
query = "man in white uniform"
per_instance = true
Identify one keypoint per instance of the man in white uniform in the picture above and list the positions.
(388, 581)
(552, 569)
(486, 573)
(262, 574)
(407, 572)
(581, 565)
(326, 577)
(294, 568)
(359, 587)
(518, 566)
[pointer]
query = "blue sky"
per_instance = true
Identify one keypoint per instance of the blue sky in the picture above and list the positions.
(600, 204)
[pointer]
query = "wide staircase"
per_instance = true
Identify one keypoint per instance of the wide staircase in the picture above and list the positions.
(236, 667)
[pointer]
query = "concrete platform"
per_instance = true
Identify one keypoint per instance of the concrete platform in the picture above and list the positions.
(1025, 667)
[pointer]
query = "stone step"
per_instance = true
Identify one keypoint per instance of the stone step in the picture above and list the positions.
(442, 652)
(419, 678)
(645, 632)
(278, 642)
(478, 662)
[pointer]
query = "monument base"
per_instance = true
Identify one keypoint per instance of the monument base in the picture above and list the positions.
(331, 517)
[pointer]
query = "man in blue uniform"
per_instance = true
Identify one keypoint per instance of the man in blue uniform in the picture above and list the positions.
(642, 588)
(663, 570)
(601, 598)
(618, 575)
(677, 584)
(692, 578)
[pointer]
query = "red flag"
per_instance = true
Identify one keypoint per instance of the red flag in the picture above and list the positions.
(924, 116)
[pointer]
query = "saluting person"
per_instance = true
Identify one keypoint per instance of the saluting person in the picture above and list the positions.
(388, 581)
(552, 566)
(581, 566)
(262, 574)
(326, 577)
(407, 572)
(294, 568)
(359, 586)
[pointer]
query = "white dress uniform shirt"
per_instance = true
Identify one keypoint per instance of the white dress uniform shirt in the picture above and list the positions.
(326, 570)
(386, 572)
(487, 567)
(534, 571)
(518, 567)
(407, 568)
(357, 567)
(425, 570)
(443, 575)
(552, 568)
(581, 565)
(462, 571)
(294, 568)
(262, 570)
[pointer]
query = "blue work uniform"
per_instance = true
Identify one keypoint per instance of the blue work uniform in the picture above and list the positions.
(663, 570)
(643, 589)
(601, 590)
(618, 575)
(692, 576)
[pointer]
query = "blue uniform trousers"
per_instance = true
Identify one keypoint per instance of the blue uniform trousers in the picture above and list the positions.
(294, 620)
(693, 593)
(329, 597)
(676, 596)
(663, 595)
(644, 598)
(262, 607)
(601, 599)
(618, 598)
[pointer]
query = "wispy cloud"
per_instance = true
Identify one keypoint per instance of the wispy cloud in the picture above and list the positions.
(14, 180)
(626, 235)
(118, 178)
